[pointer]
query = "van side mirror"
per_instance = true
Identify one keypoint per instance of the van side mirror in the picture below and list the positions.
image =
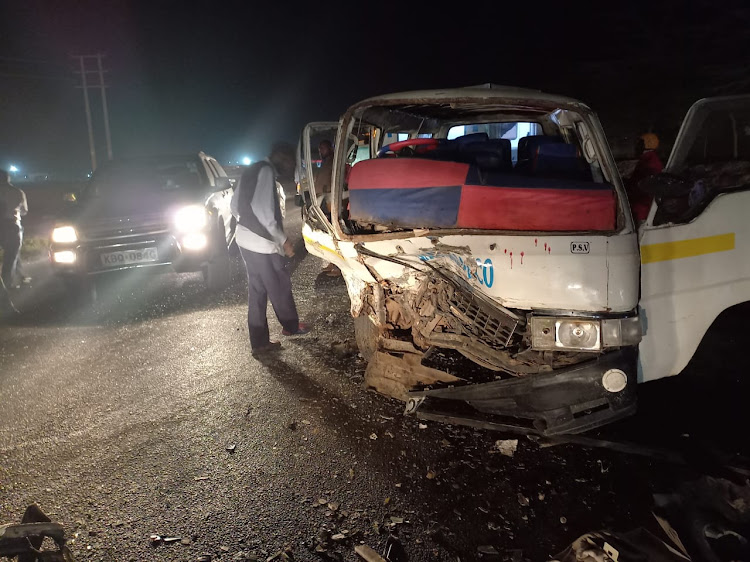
(221, 183)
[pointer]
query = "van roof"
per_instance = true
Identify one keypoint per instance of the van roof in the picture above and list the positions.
(480, 92)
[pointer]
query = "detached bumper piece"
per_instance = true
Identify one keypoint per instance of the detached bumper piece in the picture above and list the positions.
(570, 400)
(26, 540)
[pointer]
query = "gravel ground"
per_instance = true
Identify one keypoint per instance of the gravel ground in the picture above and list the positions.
(146, 414)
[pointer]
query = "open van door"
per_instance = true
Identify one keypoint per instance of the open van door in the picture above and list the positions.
(696, 239)
(315, 176)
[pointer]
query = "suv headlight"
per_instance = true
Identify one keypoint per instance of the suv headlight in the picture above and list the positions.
(64, 235)
(190, 219)
(584, 334)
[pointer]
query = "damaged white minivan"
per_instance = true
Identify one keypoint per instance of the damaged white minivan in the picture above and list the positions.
(490, 255)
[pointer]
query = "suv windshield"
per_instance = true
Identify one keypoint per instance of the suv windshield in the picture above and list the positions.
(157, 174)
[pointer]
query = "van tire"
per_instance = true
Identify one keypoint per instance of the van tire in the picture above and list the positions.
(366, 335)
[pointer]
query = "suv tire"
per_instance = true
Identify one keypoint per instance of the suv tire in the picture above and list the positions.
(217, 274)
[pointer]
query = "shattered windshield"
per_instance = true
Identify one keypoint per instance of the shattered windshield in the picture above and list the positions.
(478, 166)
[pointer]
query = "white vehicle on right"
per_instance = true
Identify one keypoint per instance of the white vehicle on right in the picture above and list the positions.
(695, 243)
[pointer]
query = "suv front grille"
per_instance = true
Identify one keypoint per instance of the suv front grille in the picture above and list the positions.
(124, 228)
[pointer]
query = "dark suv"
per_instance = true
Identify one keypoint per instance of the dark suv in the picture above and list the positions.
(157, 213)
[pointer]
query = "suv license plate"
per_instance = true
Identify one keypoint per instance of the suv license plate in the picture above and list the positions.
(128, 257)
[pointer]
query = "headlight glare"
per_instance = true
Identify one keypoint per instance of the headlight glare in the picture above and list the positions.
(64, 235)
(66, 256)
(190, 219)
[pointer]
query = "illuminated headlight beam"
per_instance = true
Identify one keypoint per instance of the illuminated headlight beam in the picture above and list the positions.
(64, 235)
(190, 219)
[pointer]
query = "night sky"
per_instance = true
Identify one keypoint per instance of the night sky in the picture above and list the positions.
(231, 77)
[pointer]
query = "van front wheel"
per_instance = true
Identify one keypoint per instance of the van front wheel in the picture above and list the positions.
(366, 336)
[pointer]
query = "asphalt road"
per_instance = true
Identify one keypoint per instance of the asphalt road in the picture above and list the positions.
(117, 419)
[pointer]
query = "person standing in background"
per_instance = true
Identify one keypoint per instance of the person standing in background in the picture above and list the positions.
(13, 206)
(649, 164)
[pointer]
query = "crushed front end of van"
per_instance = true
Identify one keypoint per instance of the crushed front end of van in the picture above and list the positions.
(489, 253)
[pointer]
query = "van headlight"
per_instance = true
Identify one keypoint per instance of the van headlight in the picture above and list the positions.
(584, 334)
(64, 235)
(190, 219)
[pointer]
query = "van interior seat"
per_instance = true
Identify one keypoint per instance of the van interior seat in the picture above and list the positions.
(528, 146)
(471, 138)
(501, 148)
(425, 193)
(560, 160)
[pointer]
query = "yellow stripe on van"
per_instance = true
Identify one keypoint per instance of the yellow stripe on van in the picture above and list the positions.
(321, 246)
(687, 248)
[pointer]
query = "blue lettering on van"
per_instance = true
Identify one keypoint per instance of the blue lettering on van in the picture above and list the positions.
(485, 270)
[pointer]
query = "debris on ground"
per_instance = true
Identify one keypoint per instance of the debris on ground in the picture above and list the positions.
(344, 348)
(283, 555)
(522, 500)
(394, 550)
(368, 554)
(373, 436)
(507, 447)
(639, 544)
(32, 536)
(487, 550)
(231, 447)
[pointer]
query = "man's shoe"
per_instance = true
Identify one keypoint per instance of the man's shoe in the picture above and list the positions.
(270, 347)
(302, 328)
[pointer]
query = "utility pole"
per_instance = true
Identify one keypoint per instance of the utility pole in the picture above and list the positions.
(104, 106)
(85, 85)
(92, 149)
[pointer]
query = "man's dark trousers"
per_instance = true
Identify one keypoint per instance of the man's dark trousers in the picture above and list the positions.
(267, 279)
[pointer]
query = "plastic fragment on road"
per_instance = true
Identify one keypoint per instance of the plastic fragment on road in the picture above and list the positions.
(507, 447)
